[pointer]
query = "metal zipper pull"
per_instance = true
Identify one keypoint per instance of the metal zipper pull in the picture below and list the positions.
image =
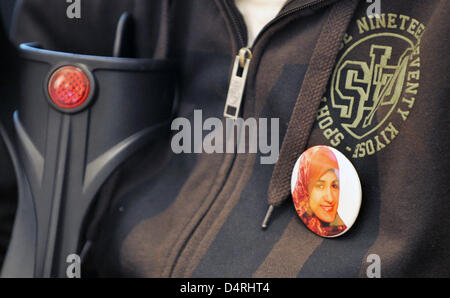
(237, 83)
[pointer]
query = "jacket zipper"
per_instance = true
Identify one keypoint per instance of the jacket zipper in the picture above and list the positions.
(238, 80)
(237, 83)
(241, 68)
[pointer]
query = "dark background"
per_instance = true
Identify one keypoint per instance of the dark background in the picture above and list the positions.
(8, 91)
(7, 8)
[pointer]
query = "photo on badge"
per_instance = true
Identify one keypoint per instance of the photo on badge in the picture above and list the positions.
(326, 191)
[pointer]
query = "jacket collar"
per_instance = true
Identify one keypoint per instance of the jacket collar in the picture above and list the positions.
(312, 4)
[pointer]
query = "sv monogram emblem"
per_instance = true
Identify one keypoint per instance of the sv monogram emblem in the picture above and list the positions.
(373, 88)
(367, 92)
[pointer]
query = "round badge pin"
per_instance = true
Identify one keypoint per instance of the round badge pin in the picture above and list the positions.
(326, 191)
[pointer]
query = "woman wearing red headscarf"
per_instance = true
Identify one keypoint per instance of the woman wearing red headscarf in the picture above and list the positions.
(316, 193)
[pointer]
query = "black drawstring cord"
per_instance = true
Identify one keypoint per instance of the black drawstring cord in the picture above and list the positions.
(305, 109)
(267, 217)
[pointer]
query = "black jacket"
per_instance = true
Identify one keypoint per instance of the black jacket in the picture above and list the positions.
(199, 215)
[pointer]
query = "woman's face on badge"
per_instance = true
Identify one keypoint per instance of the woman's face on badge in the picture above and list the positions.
(324, 197)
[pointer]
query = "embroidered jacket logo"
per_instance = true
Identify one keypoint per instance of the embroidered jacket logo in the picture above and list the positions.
(373, 86)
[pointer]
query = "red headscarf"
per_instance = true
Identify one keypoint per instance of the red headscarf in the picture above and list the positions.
(313, 164)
